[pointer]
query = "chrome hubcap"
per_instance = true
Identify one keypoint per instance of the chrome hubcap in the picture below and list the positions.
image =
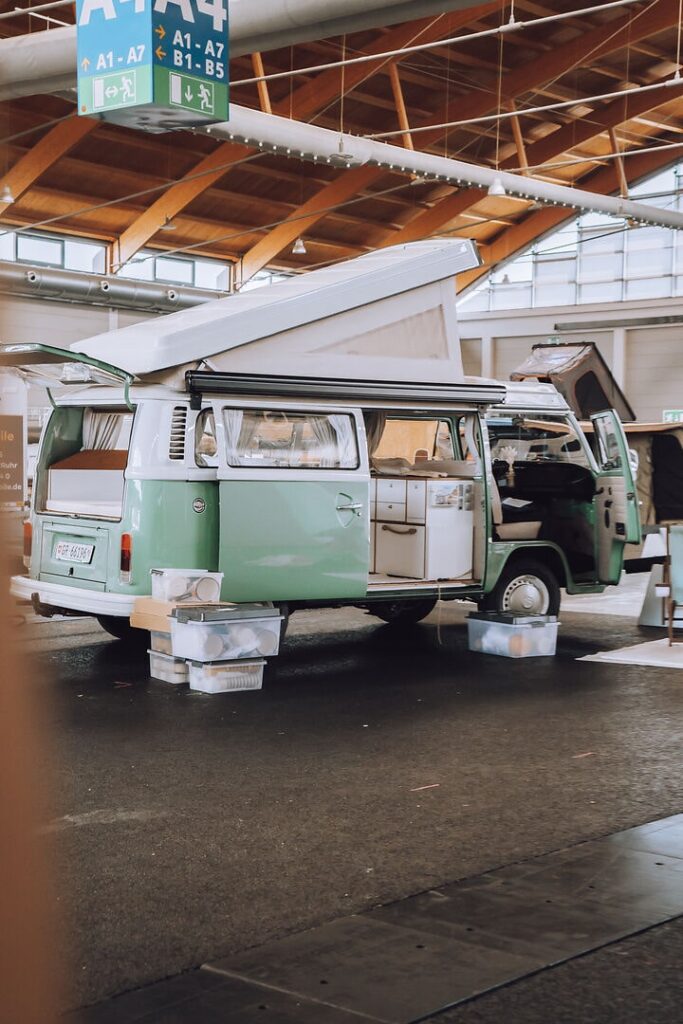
(526, 595)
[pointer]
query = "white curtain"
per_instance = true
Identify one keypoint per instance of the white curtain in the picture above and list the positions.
(240, 429)
(346, 441)
(101, 430)
(326, 437)
(375, 423)
(232, 418)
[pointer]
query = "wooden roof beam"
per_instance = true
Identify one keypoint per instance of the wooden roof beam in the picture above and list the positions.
(548, 149)
(47, 151)
(306, 101)
(517, 238)
(548, 67)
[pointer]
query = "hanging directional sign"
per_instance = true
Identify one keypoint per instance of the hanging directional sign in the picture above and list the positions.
(153, 64)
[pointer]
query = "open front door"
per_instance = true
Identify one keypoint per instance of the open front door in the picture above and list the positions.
(617, 516)
(294, 502)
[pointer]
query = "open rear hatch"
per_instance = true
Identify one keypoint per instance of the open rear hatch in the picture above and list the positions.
(58, 367)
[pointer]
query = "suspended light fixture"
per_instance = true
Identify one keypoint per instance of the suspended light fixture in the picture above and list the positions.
(168, 225)
(6, 196)
(299, 247)
(496, 188)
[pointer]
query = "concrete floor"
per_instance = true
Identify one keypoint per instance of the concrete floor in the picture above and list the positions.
(186, 826)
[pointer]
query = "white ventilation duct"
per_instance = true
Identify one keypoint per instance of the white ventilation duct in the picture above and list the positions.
(308, 142)
(45, 62)
(112, 292)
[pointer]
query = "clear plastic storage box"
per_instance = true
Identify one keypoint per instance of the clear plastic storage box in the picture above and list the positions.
(225, 634)
(226, 677)
(193, 586)
(168, 669)
(511, 636)
(161, 642)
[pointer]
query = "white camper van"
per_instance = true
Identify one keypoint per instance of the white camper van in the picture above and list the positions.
(318, 443)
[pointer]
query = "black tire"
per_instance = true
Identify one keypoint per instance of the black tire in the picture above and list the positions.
(514, 591)
(402, 613)
(118, 626)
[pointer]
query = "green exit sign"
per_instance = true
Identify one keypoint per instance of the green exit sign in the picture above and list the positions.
(156, 65)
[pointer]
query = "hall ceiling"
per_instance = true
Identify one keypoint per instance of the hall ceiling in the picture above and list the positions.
(250, 209)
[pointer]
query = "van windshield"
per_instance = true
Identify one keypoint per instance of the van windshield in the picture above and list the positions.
(82, 463)
(532, 438)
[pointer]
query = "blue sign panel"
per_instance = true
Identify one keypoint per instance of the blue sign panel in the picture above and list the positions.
(165, 62)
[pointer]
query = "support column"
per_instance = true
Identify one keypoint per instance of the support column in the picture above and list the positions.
(619, 355)
(487, 354)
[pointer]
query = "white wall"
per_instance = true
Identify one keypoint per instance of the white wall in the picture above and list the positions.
(646, 359)
(57, 323)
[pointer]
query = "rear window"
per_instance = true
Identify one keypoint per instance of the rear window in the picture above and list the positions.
(285, 439)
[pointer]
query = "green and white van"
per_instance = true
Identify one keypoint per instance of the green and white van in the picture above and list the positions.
(318, 444)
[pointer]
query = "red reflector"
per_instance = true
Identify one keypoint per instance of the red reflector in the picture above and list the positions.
(126, 550)
(28, 538)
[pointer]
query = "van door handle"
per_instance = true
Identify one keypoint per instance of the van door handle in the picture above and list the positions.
(355, 506)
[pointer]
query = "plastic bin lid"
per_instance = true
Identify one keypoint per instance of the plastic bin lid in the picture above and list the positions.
(184, 572)
(223, 613)
(513, 620)
(235, 663)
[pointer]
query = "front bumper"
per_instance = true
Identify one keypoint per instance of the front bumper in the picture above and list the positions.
(77, 599)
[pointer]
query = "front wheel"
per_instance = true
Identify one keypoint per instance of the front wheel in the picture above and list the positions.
(119, 626)
(525, 588)
(402, 613)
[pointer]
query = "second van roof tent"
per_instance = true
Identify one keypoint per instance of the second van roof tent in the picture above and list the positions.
(579, 373)
(388, 315)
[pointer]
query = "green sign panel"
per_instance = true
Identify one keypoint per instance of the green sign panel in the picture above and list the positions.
(153, 64)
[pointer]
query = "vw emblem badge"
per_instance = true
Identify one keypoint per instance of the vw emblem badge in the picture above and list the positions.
(199, 505)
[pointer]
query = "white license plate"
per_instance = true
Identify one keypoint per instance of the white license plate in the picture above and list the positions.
(66, 551)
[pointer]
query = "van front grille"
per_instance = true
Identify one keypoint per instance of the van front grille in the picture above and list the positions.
(176, 448)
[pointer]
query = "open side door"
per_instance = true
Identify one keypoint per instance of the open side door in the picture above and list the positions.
(617, 515)
(59, 367)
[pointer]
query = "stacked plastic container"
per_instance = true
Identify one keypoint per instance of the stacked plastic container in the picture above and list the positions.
(512, 636)
(216, 648)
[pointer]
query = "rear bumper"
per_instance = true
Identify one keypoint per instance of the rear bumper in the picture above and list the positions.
(77, 599)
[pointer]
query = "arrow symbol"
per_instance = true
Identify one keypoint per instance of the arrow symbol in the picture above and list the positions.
(111, 91)
(188, 94)
(85, 63)
(160, 31)
(160, 53)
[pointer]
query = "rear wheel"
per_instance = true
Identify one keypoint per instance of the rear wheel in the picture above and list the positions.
(525, 587)
(120, 627)
(402, 613)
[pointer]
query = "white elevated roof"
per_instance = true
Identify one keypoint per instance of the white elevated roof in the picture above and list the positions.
(387, 315)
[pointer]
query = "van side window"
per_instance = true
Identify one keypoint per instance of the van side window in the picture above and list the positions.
(283, 439)
(205, 446)
(413, 440)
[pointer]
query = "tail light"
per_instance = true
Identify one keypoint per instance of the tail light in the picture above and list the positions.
(28, 542)
(126, 554)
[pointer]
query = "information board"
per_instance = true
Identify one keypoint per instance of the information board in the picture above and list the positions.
(12, 467)
(153, 64)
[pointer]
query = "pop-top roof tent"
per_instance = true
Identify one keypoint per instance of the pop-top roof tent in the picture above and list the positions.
(579, 373)
(387, 315)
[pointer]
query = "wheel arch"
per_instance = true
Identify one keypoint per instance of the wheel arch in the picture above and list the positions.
(548, 555)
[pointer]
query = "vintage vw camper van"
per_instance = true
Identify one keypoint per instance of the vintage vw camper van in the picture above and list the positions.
(318, 443)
